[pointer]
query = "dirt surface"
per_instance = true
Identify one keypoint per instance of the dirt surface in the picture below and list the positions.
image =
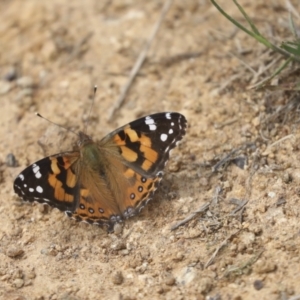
(243, 243)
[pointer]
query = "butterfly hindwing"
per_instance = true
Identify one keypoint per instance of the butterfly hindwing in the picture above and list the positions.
(138, 192)
(95, 208)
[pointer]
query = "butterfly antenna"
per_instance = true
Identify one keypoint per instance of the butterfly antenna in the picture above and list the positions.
(61, 126)
(90, 112)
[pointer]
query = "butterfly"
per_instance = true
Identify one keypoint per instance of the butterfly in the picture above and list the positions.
(108, 181)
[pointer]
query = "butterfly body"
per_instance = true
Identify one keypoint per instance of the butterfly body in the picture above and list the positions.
(104, 182)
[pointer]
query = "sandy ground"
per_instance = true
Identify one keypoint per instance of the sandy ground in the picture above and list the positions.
(243, 243)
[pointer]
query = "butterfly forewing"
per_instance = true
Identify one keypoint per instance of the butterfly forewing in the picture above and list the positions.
(51, 180)
(145, 143)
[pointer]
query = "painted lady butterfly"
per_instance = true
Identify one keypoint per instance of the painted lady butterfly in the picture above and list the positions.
(104, 182)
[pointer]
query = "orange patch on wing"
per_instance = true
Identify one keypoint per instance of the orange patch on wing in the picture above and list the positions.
(71, 179)
(144, 140)
(149, 153)
(118, 140)
(147, 164)
(54, 166)
(59, 192)
(53, 180)
(67, 162)
(69, 198)
(132, 134)
(84, 193)
(129, 154)
(129, 173)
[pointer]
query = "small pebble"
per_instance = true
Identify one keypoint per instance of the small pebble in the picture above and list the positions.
(53, 252)
(117, 278)
(118, 245)
(263, 266)
(179, 256)
(49, 51)
(142, 268)
(281, 201)
(169, 279)
(118, 228)
(258, 284)
(44, 251)
(124, 252)
(205, 285)
(14, 251)
(174, 166)
(25, 82)
(24, 97)
(286, 177)
(203, 181)
(18, 283)
(11, 75)
(31, 274)
(4, 87)
(10, 160)
(240, 162)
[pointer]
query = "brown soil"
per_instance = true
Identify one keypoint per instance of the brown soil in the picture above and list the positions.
(244, 244)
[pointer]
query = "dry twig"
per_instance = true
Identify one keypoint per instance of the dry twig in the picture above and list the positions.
(202, 209)
(216, 195)
(240, 205)
(244, 266)
(210, 261)
(228, 157)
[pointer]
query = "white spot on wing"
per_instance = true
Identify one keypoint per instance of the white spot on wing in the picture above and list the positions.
(151, 123)
(152, 127)
(172, 124)
(35, 168)
(168, 116)
(163, 137)
(31, 190)
(149, 120)
(36, 171)
(21, 176)
(171, 131)
(39, 189)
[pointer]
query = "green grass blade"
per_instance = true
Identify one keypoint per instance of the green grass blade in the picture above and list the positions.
(256, 34)
(255, 30)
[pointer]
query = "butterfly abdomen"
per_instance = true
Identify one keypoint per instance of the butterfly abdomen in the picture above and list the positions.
(94, 169)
